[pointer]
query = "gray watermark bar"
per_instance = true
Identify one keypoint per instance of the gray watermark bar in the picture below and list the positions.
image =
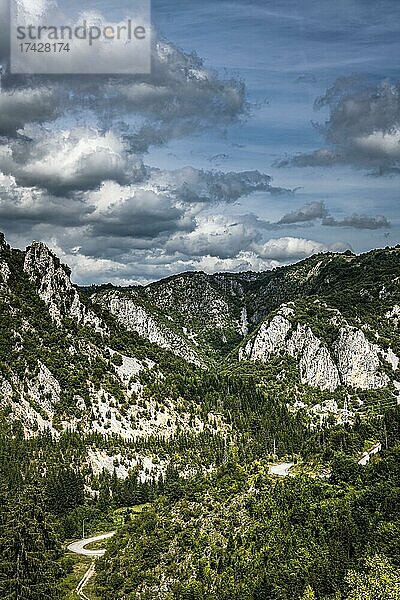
(51, 43)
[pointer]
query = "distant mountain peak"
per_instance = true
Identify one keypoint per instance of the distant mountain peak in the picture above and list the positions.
(52, 280)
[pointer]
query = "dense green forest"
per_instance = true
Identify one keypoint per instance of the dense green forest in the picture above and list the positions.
(236, 532)
(243, 535)
(103, 429)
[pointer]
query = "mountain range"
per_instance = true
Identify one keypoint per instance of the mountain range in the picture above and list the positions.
(175, 413)
(80, 357)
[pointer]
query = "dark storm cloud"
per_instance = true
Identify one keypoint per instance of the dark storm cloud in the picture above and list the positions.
(318, 158)
(65, 161)
(112, 210)
(309, 212)
(156, 209)
(28, 207)
(89, 187)
(358, 222)
(317, 210)
(87, 192)
(180, 97)
(363, 128)
(203, 186)
(144, 214)
(20, 106)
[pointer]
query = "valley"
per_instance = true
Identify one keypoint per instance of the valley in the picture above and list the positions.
(197, 396)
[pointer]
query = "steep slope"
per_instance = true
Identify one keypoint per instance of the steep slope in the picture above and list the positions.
(52, 282)
(136, 315)
(202, 318)
(361, 287)
(65, 364)
(320, 337)
(196, 316)
(329, 351)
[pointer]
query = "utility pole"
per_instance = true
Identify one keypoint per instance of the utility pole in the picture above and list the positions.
(346, 412)
(225, 457)
(83, 529)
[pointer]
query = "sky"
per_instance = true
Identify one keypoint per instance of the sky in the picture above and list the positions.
(268, 130)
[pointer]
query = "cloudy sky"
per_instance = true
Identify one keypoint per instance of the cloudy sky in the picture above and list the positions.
(268, 130)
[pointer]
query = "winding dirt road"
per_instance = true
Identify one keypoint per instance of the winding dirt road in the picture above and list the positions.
(80, 548)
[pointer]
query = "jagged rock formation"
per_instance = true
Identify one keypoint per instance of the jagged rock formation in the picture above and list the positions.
(52, 280)
(316, 365)
(196, 316)
(135, 318)
(351, 360)
(358, 361)
(4, 268)
(56, 376)
(335, 316)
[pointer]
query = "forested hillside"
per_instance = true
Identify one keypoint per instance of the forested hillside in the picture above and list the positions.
(186, 397)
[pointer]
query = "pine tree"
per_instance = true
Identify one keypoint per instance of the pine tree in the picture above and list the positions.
(29, 550)
(64, 490)
(308, 594)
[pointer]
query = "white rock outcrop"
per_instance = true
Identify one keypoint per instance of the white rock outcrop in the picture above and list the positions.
(135, 318)
(270, 340)
(4, 268)
(55, 288)
(22, 409)
(316, 365)
(4, 272)
(358, 361)
(147, 467)
(394, 314)
(391, 358)
(352, 360)
(44, 390)
(244, 322)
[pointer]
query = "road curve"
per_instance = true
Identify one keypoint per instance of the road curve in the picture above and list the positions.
(80, 546)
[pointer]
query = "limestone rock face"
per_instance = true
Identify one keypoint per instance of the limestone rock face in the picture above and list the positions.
(351, 360)
(135, 318)
(358, 360)
(31, 402)
(55, 288)
(315, 361)
(4, 272)
(270, 340)
(394, 314)
(44, 389)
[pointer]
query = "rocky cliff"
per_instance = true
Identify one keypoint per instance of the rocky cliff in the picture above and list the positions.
(95, 359)
(62, 362)
(133, 316)
(347, 359)
(52, 281)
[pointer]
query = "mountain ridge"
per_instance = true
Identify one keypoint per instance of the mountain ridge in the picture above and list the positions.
(91, 358)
